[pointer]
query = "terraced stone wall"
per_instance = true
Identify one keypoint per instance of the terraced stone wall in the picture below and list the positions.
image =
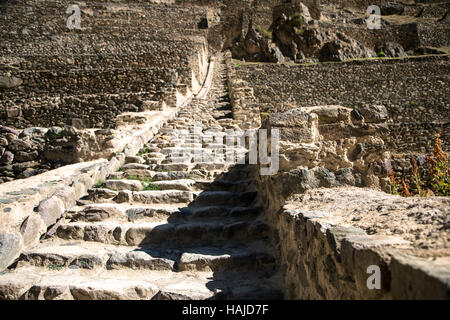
(360, 4)
(414, 92)
(245, 110)
(125, 53)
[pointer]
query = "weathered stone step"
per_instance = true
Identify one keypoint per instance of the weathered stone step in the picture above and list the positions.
(172, 167)
(58, 255)
(120, 185)
(208, 149)
(120, 212)
(225, 261)
(184, 184)
(97, 195)
(123, 212)
(229, 198)
(89, 255)
(196, 233)
(221, 185)
(217, 211)
(176, 175)
(165, 234)
(166, 196)
(35, 283)
(211, 166)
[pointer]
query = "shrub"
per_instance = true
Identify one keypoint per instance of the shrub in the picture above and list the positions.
(381, 54)
(433, 179)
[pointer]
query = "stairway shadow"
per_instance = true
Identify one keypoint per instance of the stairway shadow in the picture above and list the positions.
(222, 231)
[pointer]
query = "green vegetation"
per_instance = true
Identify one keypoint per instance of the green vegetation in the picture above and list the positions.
(267, 34)
(297, 20)
(266, 108)
(148, 185)
(151, 187)
(237, 63)
(55, 266)
(100, 183)
(144, 150)
(381, 54)
(60, 133)
(264, 115)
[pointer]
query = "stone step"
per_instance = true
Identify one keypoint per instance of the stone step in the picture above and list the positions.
(121, 212)
(97, 195)
(172, 196)
(165, 234)
(165, 196)
(134, 159)
(96, 212)
(137, 166)
(221, 185)
(90, 255)
(120, 185)
(176, 175)
(228, 198)
(196, 233)
(183, 184)
(217, 212)
(172, 167)
(226, 261)
(35, 283)
(211, 166)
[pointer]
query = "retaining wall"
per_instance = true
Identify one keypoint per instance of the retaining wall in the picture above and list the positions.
(330, 234)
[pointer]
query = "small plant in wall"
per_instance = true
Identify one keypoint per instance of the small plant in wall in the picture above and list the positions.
(381, 54)
(100, 183)
(261, 30)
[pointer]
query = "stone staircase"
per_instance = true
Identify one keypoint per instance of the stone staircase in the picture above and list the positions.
(162, 227)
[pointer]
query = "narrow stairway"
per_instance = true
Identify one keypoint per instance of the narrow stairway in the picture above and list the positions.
(162, 227)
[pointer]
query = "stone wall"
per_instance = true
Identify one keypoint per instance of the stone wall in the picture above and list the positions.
(245, 110)
(35, 150)
(333, 145)
(413, 91)
(329, 232)
(125, 53)
(327, 259)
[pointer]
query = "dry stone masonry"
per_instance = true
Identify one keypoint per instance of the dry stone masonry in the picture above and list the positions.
(115, 173)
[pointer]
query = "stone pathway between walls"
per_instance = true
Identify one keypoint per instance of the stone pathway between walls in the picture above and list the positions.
(158, 229)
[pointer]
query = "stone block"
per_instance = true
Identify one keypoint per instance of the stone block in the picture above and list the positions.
(295, 126)
(31, 229)
(51, 210)
(10, 246)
